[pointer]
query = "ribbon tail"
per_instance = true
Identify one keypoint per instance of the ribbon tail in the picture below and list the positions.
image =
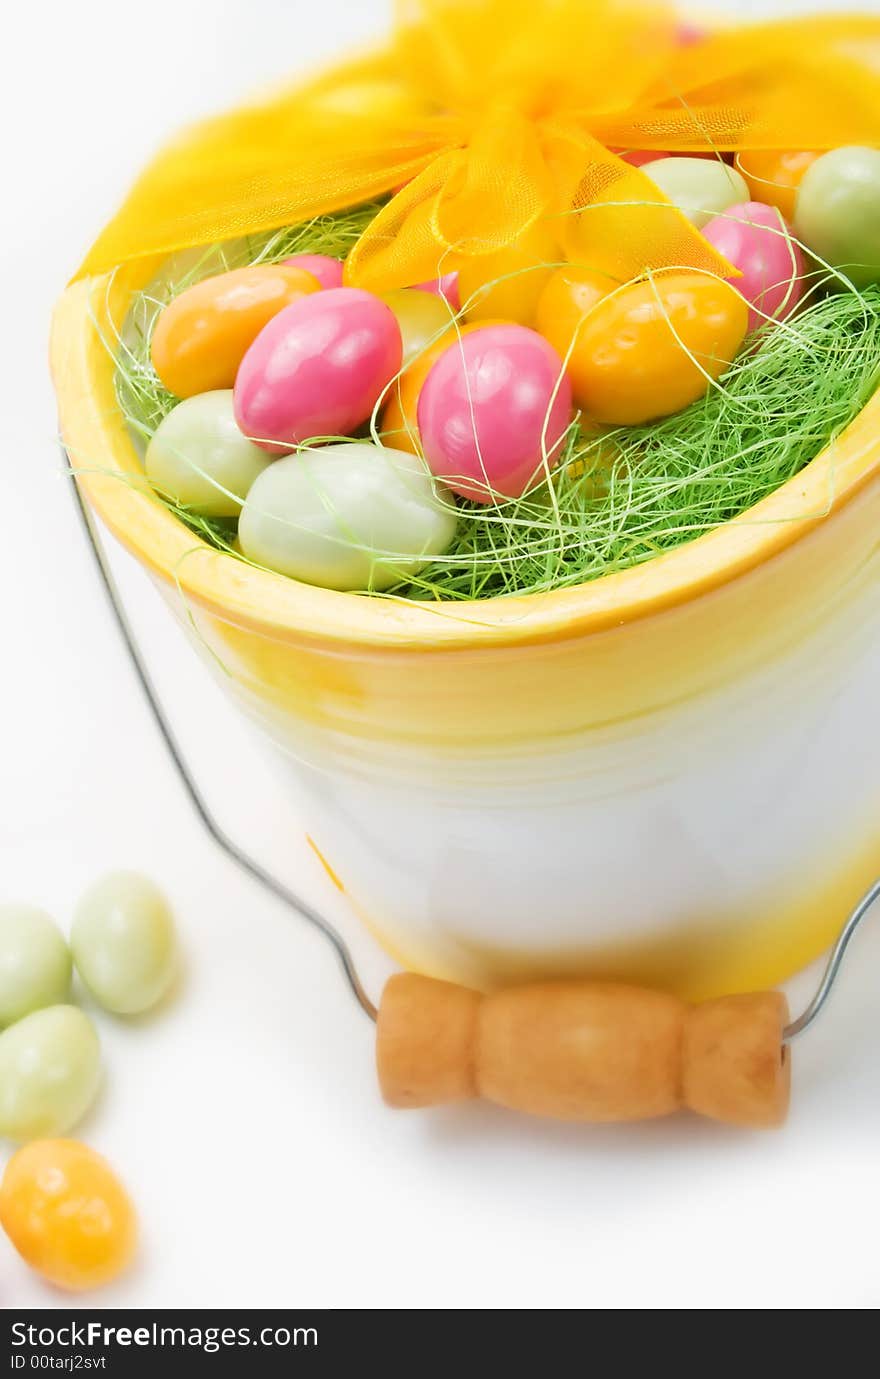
(809, 83)
(343, 139)
(612, 218)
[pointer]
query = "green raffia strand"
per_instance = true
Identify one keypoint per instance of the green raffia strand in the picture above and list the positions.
(617, 500)
(646, 489)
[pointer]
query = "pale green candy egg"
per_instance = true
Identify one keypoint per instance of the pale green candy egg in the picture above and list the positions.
(123, 942)
(700, 187)
(837, 211)
(347, 516)
(35, 962)
(199, 458)
(50, 1067)
(423, 318)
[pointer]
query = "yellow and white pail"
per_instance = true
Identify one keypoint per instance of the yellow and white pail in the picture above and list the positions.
(670, 775)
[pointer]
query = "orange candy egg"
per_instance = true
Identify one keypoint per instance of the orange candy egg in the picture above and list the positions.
(774, 175)
(202, 336)
(565, 301)
(67, 1214)
(645, 350)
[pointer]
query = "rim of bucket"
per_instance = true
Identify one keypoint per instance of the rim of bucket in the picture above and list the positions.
(110, 472)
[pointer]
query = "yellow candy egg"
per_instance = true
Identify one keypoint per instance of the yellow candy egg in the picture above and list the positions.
(568, 296)
(653, 347)
(507, 284)
(423, 318)
(773, 175)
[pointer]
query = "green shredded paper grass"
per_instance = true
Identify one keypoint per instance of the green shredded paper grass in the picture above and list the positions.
(614, 501)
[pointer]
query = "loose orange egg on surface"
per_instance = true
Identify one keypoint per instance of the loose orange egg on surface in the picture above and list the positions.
(67, 1214)
(202, 336)
(774, 175)
(570, 293)
(645, 350)
(505, 285)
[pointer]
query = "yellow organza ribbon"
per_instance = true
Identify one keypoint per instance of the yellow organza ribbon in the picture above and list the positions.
(485, 116)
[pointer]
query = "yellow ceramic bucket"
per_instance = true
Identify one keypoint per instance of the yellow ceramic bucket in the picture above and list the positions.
(669, 775)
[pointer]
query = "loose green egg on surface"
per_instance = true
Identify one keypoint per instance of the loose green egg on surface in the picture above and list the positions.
(123, 942)
(347, 516)
(199, 458)
(700, 187)
(837, 211)
(35, 965)
(50, 1067)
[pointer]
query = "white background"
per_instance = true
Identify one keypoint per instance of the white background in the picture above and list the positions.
(244, 1115)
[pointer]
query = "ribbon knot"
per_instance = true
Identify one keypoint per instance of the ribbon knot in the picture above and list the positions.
(489, 115)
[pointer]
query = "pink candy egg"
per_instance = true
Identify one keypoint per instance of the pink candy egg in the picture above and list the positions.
(755, 239)
(639, 157)
(492, 406)
(317, 372)
(687, 34)
(328, 271)
(444, 286)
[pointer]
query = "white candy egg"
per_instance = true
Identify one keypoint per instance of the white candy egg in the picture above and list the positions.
(123, 942)
(700, 187)
(35, 965)
(199, 458)
(50, 1067)
(347, 516)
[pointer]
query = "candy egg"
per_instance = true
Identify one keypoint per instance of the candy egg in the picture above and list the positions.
(423, 318)
(35, 965)
(688, 33)
(327, 270)
(399, 419)
(565, 301)
(446, 286)
(640, 157)
(67, 1214)
(756, 240)
(199, 458)
(123, 942)
(774, 175)
(201, 337)
(347, 516)
(700, 187)
(50, 1067)
(645, 350)
(317, 369)
(837, 212)
(506, 284)
(493, 411)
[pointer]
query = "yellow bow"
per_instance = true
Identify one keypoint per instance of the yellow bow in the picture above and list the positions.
(485, 116)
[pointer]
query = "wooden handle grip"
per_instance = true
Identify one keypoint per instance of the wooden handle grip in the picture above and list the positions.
(584, 1051)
